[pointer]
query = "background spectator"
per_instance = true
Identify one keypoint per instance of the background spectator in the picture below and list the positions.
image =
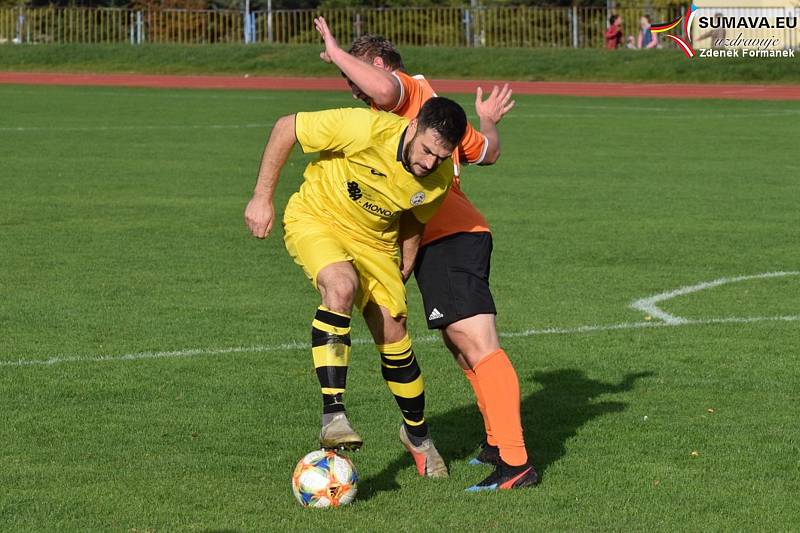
(647, 39)
(614, 32)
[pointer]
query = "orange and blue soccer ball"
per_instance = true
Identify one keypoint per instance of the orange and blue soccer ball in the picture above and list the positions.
(324, 479)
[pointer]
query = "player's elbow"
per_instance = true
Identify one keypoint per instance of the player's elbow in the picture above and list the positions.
(387, 94)
(386, 98)
(491, 158)
(492, 154)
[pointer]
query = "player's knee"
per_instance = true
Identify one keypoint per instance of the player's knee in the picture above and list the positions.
(454, 350)
(339, 294)
(471, 338)
(457, 335)
(395, 328)
(384, 327)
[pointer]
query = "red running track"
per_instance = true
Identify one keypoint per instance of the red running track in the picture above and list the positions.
(635, 90)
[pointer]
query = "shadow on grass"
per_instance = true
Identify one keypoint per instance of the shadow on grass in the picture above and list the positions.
(550, 416)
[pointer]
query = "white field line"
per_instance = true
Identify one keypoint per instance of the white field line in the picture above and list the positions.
(629, 107)
(647, 325)
(649, 305)
(182, 94)
(149, 127)
(623, 108)
(173, 127)
(524, 109)
(205, 352)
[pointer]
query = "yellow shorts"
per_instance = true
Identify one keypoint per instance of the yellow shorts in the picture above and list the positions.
(314, 244)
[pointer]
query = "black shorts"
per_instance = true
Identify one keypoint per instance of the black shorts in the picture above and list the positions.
(453, 277)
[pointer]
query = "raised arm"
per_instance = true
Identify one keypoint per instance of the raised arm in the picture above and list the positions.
(377, 83)
(490, 112)
(260, 212)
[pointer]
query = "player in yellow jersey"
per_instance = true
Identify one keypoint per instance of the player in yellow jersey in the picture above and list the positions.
(452, 268)
(342, 228)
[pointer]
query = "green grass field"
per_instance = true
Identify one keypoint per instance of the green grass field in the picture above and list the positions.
(531, 64)
(153, 369)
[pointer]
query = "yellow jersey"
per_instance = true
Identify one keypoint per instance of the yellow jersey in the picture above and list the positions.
(359, 185)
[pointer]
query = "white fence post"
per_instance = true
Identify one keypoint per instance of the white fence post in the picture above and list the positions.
(20, 26)
(468, 26)
(139, 28)
(357, 25)
(246, 20)
(269, 21)
(575, 26)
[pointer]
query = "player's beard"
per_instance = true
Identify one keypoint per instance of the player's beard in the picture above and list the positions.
(407, 164)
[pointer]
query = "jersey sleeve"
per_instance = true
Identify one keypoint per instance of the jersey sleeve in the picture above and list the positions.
(410, 95)
(473, 146)
(405, 90)
(335, 130)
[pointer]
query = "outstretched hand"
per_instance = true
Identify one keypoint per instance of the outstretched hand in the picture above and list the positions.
(496, 105)
(328, 39)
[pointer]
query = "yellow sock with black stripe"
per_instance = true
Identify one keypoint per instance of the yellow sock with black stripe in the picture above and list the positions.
(403, 376)
(330, 347)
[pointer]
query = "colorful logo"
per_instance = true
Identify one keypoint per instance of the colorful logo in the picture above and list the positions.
(418, 198)
(684, 45)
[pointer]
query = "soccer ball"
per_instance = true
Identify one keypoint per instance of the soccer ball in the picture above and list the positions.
(324, 479)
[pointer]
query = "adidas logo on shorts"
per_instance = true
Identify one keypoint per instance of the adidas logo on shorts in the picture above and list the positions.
(435, 314)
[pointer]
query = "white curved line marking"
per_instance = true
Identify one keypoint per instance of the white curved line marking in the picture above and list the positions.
(648, 305)
(200, 352)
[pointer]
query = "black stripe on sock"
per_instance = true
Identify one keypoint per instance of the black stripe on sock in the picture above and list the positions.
(332, 403)
(332, 377)
(333, 319)
(387, 354)
(321, 338)
(420, 431)
(413, 407)
(401, 375)
(405, 361)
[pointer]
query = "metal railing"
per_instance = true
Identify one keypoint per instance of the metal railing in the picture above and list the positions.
(527, 27)
(524, 27)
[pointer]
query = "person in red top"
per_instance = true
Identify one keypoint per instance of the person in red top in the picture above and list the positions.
(614, 32)
(452, 266)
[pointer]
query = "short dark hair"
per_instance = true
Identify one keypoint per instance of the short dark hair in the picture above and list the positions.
(446, 117)
(370, 46)
(611, 19)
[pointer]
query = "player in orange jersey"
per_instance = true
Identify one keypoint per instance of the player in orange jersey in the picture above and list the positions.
(452, 266)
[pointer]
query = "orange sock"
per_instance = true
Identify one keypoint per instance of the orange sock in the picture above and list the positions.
(499, 384)
(473, 380)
